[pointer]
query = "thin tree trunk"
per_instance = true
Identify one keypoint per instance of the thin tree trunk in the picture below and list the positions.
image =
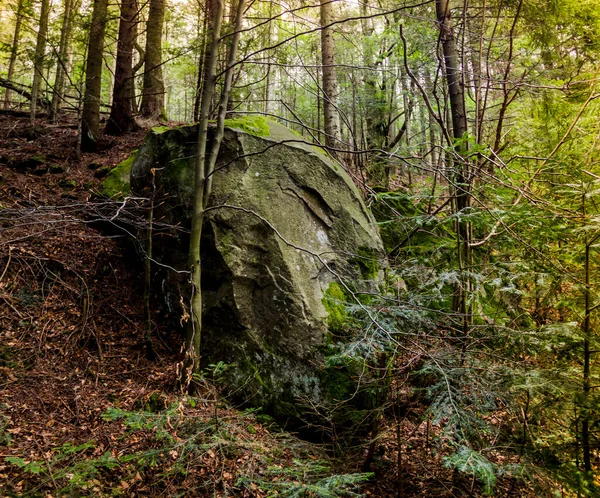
(267, 92)
(191, 362)
(586, 443)
(153, 99)
(216, 145)
(453, 69)
(203, 180)
(13, 52)
(40, 51)
(141, 57)
(121, 119)
(330, 91)
(585, 423)
(460, 175)
(90, 118)
(63, 54)
(202, 61)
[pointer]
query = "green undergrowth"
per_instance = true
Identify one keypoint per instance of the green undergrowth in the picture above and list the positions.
(186, 449)
(347, 378)
(307, 478)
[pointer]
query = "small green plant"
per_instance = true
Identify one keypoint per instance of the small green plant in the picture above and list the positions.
(307, 479)
(68, 470)
(473, 463)
(34, 467)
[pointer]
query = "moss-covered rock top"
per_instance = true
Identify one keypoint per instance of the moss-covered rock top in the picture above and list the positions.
(117, 183)
(253, 124)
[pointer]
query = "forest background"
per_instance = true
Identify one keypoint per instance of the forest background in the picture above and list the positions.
(471, 128)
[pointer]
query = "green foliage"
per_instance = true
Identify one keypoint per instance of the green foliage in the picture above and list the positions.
(69, 465)
(474, 464)
(368, 262)
(31, 467)
(307, 479)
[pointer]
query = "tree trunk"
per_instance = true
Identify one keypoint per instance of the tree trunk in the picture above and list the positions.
(191, 362)
(133, 95)
(330, 91)
(453, 69)
(460, 175)
(38, 61)
(121, 119)
(203, 179)
(153, 98)
(267, 88)
(204, 53)
(63, 54)
(90, 118)
(13, 52)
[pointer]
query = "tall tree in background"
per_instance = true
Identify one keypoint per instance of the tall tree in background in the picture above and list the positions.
(121, 119)
(90, 117)
(38, 60)
(153, 98)
(330, 90)
(14, 51)
(460, 177)
(70, 8)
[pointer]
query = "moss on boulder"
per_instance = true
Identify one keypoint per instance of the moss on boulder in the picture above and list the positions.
(117, 184)
(285, 223)
(335, 302)
(254, 125)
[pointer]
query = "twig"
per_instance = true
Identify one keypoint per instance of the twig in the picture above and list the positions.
(7, 263)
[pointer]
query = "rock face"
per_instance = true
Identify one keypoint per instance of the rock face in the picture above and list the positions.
(285, 224)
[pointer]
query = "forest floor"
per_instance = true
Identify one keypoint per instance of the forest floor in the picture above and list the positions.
(84, 412)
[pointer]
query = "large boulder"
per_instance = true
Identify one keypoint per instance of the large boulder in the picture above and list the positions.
(286, 226)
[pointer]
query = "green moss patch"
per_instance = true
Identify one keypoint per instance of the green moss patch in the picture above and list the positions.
(367, 262)
(253, 125)
(335, 302)
(117, 183)
(158, 130)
